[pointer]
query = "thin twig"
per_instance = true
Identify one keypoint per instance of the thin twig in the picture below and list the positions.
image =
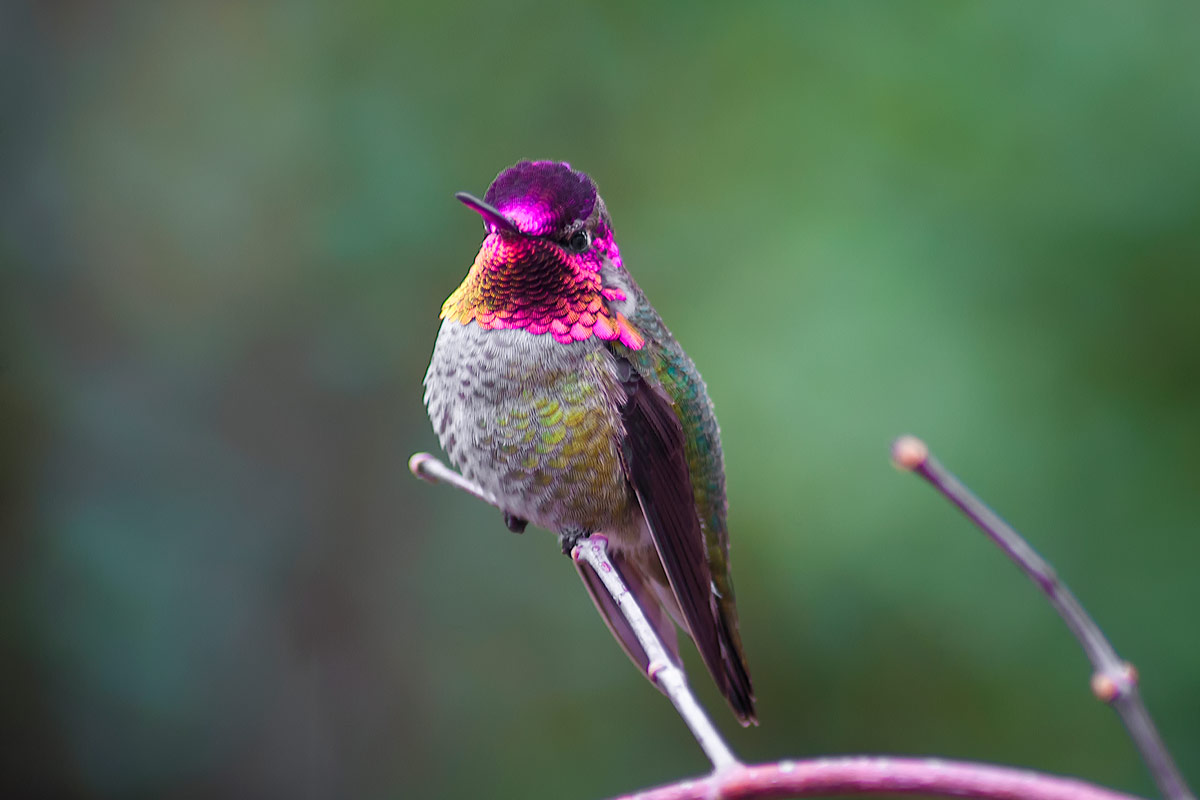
(822, 777)
(594, 551)
(428, 468)
(1114, 680)
(662, 670)
(863, 775)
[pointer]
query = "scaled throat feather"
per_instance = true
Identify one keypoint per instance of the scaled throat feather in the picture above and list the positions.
(534, 285)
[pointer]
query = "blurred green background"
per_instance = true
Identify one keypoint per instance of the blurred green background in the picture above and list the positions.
(226, 232)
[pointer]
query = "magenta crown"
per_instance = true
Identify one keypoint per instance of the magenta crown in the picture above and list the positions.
(543, 197)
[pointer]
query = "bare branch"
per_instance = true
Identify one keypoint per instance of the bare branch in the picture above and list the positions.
(428, 468)
(594, 551)
(863, 775)
(1114, 681)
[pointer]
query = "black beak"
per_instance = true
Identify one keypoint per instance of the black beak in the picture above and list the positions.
(488, 212)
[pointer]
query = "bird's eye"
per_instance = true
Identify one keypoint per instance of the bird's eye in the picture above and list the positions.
(579, 242)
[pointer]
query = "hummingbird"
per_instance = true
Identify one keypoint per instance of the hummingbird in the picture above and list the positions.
(556, 386)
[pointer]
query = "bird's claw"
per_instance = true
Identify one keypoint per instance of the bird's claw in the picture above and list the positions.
(568, 540)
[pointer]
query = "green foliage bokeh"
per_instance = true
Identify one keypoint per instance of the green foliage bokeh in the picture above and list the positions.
(227, 230)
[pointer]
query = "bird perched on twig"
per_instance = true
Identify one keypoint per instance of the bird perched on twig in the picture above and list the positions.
(556, 387)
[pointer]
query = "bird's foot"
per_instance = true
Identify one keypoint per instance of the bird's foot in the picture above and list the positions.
(568, 539)
(515, 523)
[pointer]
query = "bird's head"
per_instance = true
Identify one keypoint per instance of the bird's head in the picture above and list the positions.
(546, 210)
(548, 238)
